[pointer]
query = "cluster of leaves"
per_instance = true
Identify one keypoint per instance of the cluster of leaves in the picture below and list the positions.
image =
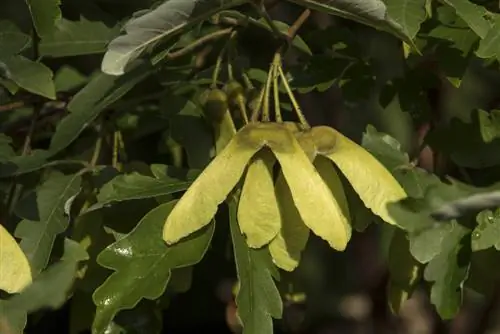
(106, 121)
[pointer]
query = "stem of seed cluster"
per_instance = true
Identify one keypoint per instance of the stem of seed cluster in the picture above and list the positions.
(294, 102)
(256, 110)
(218, 65)
(243, 109)
(231, 55)
(265, 107)
(199, 42)
(276, 96)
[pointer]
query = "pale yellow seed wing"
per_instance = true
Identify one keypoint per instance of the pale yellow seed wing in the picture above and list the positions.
(15, 271)
(374, 184)
(317, 206)
(198, 205)
(258, 212)
(329, 174)
(291, 240)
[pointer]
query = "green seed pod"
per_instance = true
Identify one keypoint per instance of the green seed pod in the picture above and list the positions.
(215, 104)
(324, 138)
(234, 91)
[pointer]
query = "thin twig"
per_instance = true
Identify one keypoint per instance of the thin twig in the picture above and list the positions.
(292, 31)
(12, 105)
(199, 42)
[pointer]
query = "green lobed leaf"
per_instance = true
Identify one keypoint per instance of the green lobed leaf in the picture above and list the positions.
(12, 39)
(489, 45)
(166, 20)
(137, 186)
(486, 234)
(85, 106)
(373, 13)
(448, 271)
(32, 76)
(44, 217)
(45, 14)
(408, 13)
(258, 299)
(143, 264)
(73, 38)
(49, 290)
(474, 15)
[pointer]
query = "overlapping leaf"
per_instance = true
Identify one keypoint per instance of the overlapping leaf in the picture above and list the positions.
(258, 299)
(15, 271)
(12, 39)
(164, 21)
(73, 38)
(44, 218)
(143, 264)
(474, 15)
(369, 12)
(488, 47)
(486, 234)
(49, 290)
(408, 13)
(137, 186)
(45, 14)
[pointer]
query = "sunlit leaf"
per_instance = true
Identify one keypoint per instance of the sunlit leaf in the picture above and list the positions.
(44, 218)
(15, 271)
(474, 15)
(258, 211)
(486, 234)
(166, 20)
(408, 13)
(356, 163)
(143, 264)
(292, 238)
(258, 299)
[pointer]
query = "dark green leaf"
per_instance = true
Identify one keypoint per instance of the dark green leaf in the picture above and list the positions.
(12, 39)
(45, 14)
(49, 290)
(473, 14)
(136, 186)
(44, 218)
(448, 271)
(258, 299)
(369, 12)
(143, 264)
(489, 47)
(408, 13)
(32, 76)
(99, 93)
(166, 20)
(73, 38)
(487, 232)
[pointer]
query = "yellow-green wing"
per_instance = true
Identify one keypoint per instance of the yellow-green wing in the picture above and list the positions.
(198, 205)
(292, 238)
(317, 206)
(329, 174)
(15, 271)
(374, 184)
(258, 212)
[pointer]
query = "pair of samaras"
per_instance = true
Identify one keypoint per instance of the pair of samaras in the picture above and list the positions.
(306, 195)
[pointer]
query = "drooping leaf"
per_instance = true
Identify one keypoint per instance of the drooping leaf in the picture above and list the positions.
(44, 218)
(45, 14)
(292, 238)
(369, 12)
(32, 76)
(166, 20)
(487, 232)
(409, 14)
(20, 164)
(474, 15)
(143, 264)
(67, 78)
(258, 299)
(488, 47)
(404, 271)
(74, 38)
(85, 106)
(137, 186)
(258, 211)
(15, 271)
(49, 290)
(316, 204)
(356, 163)
(12, 39)
(448, 271)
(199, 204)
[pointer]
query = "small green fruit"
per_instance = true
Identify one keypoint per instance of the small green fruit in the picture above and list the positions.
(215, 104)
